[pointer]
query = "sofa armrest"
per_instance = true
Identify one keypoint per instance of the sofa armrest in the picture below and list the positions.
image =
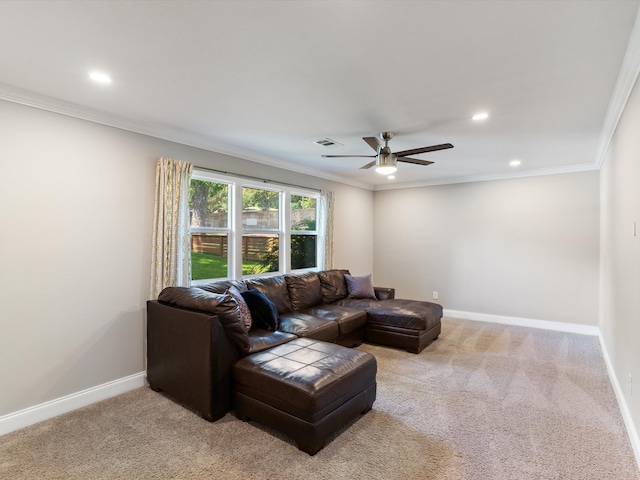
(383, 293)
(189, 357)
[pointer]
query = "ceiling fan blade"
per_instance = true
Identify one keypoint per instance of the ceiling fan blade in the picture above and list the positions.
(416, 151)
(349, 156)
(414, 160)
(368, 165)
(372, 142)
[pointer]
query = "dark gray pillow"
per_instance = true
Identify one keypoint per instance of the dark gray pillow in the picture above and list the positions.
(263, 312)
(360, 287)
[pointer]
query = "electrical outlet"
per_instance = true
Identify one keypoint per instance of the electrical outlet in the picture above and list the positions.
(435, 295)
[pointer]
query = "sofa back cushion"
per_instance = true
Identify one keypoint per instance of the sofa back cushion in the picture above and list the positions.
(223, 285)
(305, 290)
(333, 285)
(275, 289)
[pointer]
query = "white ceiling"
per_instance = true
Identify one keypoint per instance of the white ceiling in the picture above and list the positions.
(264, 79)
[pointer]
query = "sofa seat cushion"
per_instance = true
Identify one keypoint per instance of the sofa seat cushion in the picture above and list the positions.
(305, 378)
(349, 319)
(304, 325)
(260, 340)
(407, 314)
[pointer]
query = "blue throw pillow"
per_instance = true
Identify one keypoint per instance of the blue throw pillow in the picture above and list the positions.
(263, 311)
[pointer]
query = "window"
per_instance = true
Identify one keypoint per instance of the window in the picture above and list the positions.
(209, 221)
(241, 227)
(260, 230)
(304, 234)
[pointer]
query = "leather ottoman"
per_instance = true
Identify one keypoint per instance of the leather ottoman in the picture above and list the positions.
(306, 389)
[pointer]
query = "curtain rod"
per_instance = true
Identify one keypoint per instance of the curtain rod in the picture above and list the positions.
(257, 179)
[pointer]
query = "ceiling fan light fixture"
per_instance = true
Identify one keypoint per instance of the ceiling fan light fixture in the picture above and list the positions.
(386, 164)
(386, 170)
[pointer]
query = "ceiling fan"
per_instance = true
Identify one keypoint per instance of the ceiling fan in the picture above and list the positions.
(385, 160)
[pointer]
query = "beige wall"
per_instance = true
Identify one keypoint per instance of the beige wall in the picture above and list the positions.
(353, 231)
(620, 254)
(525, 247)
(76, 202)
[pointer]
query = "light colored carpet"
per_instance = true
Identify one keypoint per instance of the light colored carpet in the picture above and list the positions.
(483, 402)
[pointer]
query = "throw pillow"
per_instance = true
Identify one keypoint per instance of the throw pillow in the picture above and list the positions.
(360, 287)
(263, 311)
(245, 313)
(228, 312)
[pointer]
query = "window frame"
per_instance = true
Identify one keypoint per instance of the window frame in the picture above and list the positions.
(270, 231)
(235, 229)
(228, 230)
(316, 232)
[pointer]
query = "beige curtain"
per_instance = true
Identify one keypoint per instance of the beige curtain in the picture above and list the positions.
(326, 227)
(170, 251)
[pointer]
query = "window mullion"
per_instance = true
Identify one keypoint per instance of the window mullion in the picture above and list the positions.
(285, 231)
(236, 232)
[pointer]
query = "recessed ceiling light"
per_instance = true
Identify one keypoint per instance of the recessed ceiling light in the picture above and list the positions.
(515, 163)
(100, 77)
(480, 116)
(391, 177)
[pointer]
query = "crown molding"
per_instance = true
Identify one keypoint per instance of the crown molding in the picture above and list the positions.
(43, 102)
(485, 178)
(622, 91)
(629, 72)
(627, 78)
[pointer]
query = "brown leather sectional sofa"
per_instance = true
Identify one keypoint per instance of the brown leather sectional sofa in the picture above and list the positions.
(200, 355)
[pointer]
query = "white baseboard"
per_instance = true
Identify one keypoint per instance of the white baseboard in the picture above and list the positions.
(632, 431)
(524, 322)
(29, 416)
